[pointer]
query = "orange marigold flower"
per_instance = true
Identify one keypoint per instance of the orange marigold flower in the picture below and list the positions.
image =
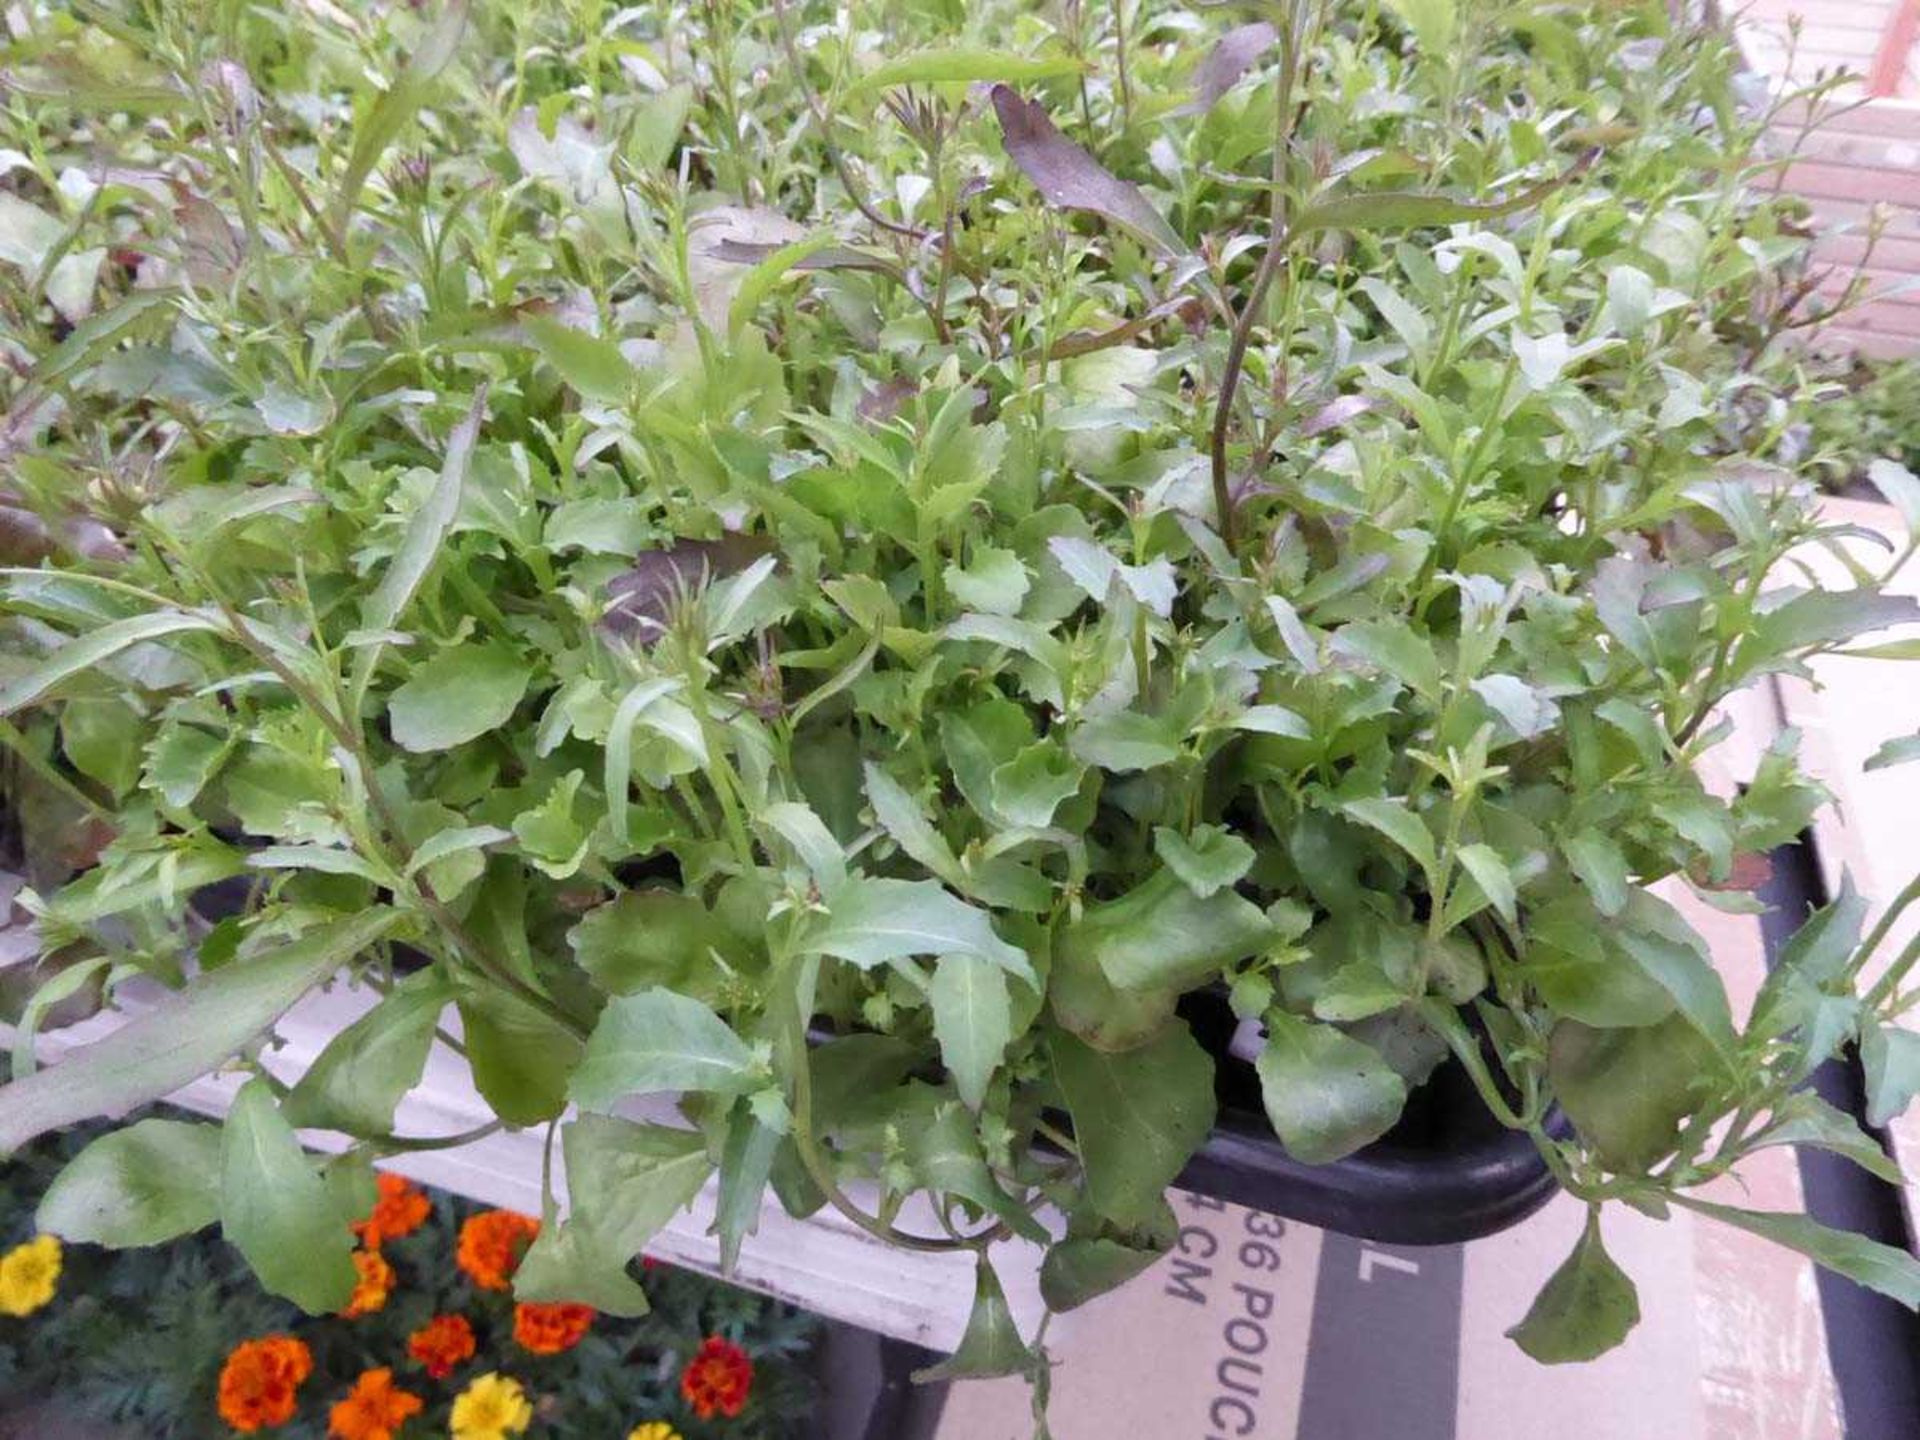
(402, 1208)
(259, 1381)
(550, 1329)
(491, 1244)
(717, 1379)
(376, 1281)
(442, 1343)
(373, 1409)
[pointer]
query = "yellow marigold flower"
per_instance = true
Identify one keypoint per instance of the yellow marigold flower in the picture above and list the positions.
(654, 1430)
(491, 1408)
(29, 1274)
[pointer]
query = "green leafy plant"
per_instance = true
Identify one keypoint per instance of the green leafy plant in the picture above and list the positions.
(839, 572)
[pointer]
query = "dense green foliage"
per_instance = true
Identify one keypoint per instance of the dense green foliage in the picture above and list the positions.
(137, 1337)
(1866, 414)
(946, 527)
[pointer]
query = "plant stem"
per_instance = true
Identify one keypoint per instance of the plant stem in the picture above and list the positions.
(814, 1159)
(1889, 982)
(1278, 242)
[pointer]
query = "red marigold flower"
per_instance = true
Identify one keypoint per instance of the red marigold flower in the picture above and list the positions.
(259, 1382)
(375, 1283)
(402, 1208)
(491, 1244)
(373, 1409)
(442, 1343)
(717, 1379)
(550, 1329)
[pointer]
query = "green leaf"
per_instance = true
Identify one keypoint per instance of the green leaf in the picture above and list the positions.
(1138, 1117)
(1079, 1269)
(648, 938)
(1326, 1093)
(391, 112)
(1795, 995)
(427, 530)
(1671, 954)
(599, 527)
(185, 1035)
(972, 1020)
(278, 1212)
(1433, 23)
(1209, 859)
(746, 1164)
(92, 336)
(991, 1345)
(1571, 964)
(943, 1147)
(811, 841)
(1031, 786)
(1901, 750)
(625, 1181)
(1399, 824)
(1601, 868)
(101, 736)
(1901, 489)
(994, 581)
(873, 921)
(1803, 1118)
(628, 1180)
(619, 767)
(1090, 1006)
(1883, 1268)
(1395, 647)
(758, 282)
(1827, 617)
(181, 760)
(521, 1057)
(91, 899)
(591, 365)
(1410, 209)
(355, 1084)
(1587, 1307)
(1162, 936)
(655, 124)
(142, 1185)
(452, 858)
(1627, 1091)
(458, 695)
(94, 649)
(1491, 874)
(552, 837)
(1891, 1058)
(1126, 740)
(570, 1265)
(962, 65)
(658, 1041)
(903, 818)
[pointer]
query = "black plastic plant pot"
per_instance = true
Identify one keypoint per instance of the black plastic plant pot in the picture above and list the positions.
(1448, 1172)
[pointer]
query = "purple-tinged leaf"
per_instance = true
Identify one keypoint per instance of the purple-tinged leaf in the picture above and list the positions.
(1231, 57)
(1072, 179)
(1335, 413)
(640, 598)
